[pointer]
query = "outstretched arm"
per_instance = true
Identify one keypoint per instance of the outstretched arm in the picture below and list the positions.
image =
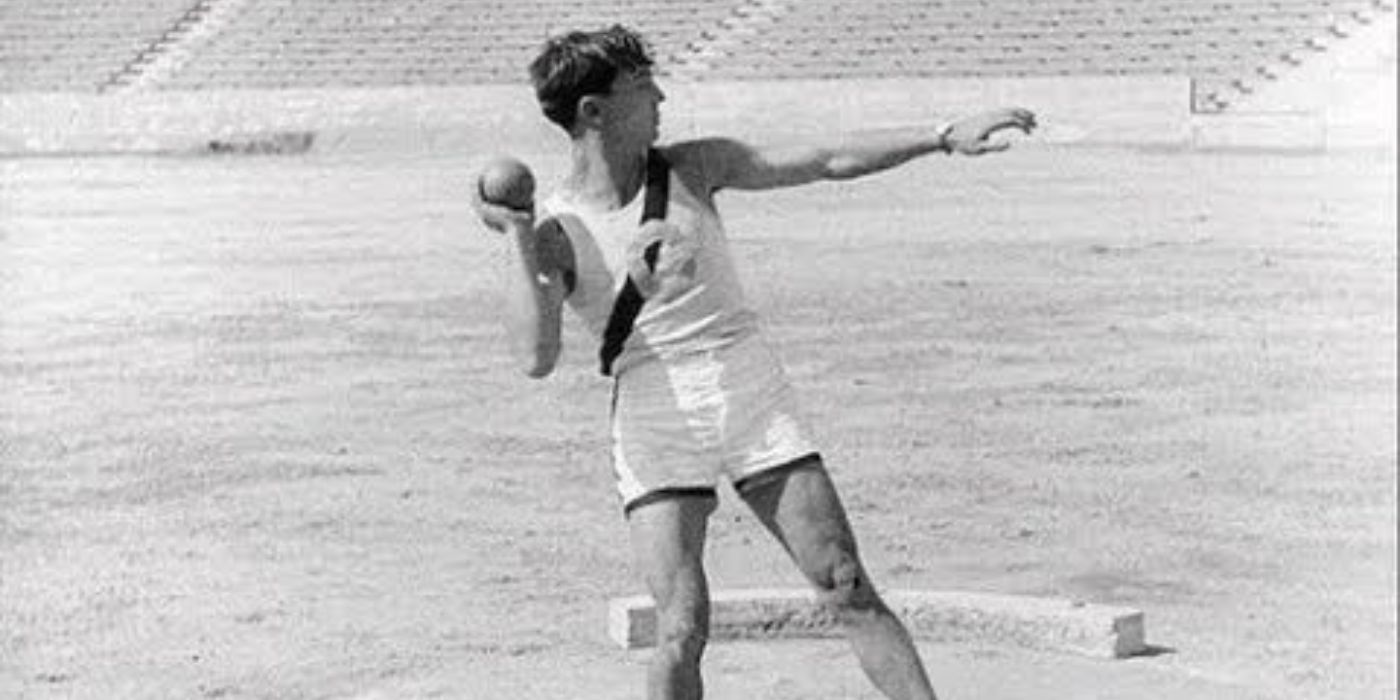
(535, 268)
(729, 163)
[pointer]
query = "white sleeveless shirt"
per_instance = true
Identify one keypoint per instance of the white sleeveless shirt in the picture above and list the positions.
(699, 309)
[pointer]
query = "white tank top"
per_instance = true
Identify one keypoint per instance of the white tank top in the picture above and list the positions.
(700, 308)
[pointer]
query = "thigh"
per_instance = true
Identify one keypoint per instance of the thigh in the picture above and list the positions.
(800, 506)
(665, 431)
(668, 543)
(763, 427)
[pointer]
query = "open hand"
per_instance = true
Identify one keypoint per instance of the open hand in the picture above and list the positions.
(971, 136)
(674, 266)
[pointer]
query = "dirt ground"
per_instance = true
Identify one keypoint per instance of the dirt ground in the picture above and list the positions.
(261, 440)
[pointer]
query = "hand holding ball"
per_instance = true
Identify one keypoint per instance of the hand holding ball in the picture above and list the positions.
(505, 195)
(507, 182)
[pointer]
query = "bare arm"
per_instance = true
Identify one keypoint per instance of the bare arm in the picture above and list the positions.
(535, 268)
(729, 163)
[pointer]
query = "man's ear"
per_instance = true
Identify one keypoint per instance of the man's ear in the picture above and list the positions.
(590, 110)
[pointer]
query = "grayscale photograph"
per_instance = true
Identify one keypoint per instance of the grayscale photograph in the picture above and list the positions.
(698, 349)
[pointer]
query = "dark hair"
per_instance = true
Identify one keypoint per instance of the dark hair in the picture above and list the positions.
(576, 64)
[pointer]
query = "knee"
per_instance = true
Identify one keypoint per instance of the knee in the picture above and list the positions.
(842, 585)
(682, 631)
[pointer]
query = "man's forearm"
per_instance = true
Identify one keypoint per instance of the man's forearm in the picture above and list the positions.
(869, 152)
(532, 302)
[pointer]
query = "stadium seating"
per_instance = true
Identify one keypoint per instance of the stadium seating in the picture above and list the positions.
(77, 45)
(294, 43)
(1220, 43)
(1223, 45)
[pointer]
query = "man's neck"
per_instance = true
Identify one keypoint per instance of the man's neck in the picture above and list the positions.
(606, 176)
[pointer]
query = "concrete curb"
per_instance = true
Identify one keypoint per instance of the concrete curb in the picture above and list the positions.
(1038, 623)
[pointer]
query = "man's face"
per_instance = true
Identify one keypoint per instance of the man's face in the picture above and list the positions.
(632, 106)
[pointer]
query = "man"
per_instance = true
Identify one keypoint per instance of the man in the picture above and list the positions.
(697, 392)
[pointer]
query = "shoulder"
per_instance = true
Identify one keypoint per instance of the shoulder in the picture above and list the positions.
(705, 162)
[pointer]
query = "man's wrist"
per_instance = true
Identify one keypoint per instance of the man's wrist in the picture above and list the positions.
(524, 233)
(942, 144)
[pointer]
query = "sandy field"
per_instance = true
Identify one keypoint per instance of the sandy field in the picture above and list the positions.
(259, 437)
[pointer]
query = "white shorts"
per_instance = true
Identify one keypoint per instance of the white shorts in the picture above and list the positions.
(679, 424)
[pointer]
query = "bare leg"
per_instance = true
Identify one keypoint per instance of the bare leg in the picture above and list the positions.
(800, 507)
(668, 542)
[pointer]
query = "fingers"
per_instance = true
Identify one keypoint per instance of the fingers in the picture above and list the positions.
(1027, 120)
(498, 217)
(483, 205)
(1022, 119)
(986, 147)
(1016, 118)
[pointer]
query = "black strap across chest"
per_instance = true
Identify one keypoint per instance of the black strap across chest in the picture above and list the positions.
(629, 300)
